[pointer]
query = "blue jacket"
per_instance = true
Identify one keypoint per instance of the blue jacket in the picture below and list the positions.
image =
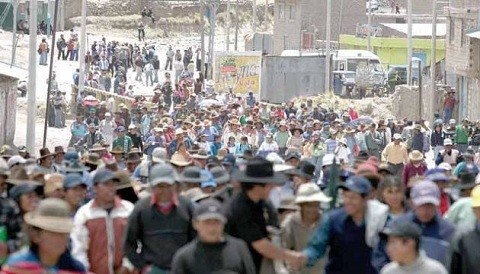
(339, 231)
(436, 238)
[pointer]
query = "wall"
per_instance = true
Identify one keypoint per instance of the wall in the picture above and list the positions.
(286, 27)
(284, 78)
(8, 101)
(393, 51)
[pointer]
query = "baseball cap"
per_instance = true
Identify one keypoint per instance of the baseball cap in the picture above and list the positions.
(475, 195)
(209, 209)
(293, 154)
(425, 192)
(438, 177)
(15, 160)
(120, 129)
(73, 180)
(132, 126)
(178, 131)
(103, 175)
(23, 188)
(162, 173)
(397, 136)
(403, 229)
(357, 184)
(448, 142)
(445, 166)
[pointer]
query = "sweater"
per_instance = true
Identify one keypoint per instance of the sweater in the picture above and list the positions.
(422, 265)
(160, 235)
(229, 256)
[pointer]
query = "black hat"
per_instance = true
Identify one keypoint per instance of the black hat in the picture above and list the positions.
(305, 169)
(293, 154)
(259, 170)
(209, 209)
(212, 161)
(193, 174)
(467, 177)
(403, 229)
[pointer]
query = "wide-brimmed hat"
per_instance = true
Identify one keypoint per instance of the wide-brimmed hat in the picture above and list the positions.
(415, 155)
(305, 169)
(349, 130)
(45, 152)
(234, 121)
(259, 170)
(93, 159)
(195, 194)
(18, 175)
(133, 157)
(220, 175)
(96, 148)
(310, 192)
(52, 215)
(469, 152)
(124, 180)
(58, 150)
(75, 166)
(295, 129)
(53, 182)
(117, 150)
(193, 174)
(178, 160)
(201, 154)
(159, 155)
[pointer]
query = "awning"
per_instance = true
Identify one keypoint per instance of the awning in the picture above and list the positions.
(475, 34)
(419, 30)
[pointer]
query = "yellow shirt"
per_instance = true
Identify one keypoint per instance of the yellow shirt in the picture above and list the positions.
(395, 154)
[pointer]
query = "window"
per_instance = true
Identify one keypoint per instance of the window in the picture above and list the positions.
(292, 11)
(281, 11)
(451, 34)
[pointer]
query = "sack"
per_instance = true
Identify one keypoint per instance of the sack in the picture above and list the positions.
(39, 50)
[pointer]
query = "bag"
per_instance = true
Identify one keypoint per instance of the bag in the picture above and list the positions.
(39, 50)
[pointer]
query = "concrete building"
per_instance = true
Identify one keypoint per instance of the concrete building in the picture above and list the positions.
(298, 23)
(8, 100)
(463, 55)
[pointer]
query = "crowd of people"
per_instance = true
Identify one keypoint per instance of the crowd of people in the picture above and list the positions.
(175, 185)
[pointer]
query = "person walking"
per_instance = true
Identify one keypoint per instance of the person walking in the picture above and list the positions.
(448, 105)
(99, 226)
(43, 50)
(141, 32)
(61, 45)
(212, 251)
(156, 68)
(396, 155)
(161, 224)
(170, 54)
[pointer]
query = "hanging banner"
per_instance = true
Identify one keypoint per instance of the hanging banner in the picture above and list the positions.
(237, 71)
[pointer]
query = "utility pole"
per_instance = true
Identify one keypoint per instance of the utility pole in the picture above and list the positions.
(266, 12)
(433, 55)
(83, 36)
(369, 33)
(236, 24)
(409, 44)
(14, 32)
(327, 48)
(202, 36)
(49, 18)
(32, 78)
(213, 6)
(254, 19)
(62, 14)
(228, 27)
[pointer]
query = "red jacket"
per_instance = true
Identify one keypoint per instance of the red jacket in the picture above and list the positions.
(411, 171)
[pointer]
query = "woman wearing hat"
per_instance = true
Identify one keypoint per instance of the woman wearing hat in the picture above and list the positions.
(298, 228)
(48, 229)
(45, 162)
(295, 141)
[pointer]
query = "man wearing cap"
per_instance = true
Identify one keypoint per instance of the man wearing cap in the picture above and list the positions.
(136, 137)
(78, 129)
(250, 213)
(99, 227)
(466, 245)
(160, 223)
(268, 146)
(180, 138)
(53, 187)
(212, 251)
(448, 155)
(354, 227)
(404, 250)
(75, 191)
(468, 160)
(460, 212)
(123, 141)
(396, 155)
(298, 228)
(91, 138)
(437, 233)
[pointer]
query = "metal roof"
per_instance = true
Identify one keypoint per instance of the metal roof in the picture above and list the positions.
(13, 71)
(475, 34)
(420, 29)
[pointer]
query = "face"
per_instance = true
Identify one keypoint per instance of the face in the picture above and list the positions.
(29, 201)
(398, 248)
(353, 203)
(293, 162)
(105, 192)
(91, 129)
(132, 166)
(210, 230)
(47, 161)
(310, 210)
(51, 243)
(57, 193)
(425, 213)
(59, 158)
(75, 195)
(393, 197)
(163, 192)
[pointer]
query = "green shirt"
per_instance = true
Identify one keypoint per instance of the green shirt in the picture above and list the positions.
(461, 135)
(124, 142)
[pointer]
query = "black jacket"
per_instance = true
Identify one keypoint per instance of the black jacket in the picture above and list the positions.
(466, 253)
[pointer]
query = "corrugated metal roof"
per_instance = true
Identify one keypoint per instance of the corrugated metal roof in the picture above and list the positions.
(475, 34)
(419, 30)
(12, 71)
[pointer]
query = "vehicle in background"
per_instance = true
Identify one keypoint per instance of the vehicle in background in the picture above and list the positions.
(374, 5)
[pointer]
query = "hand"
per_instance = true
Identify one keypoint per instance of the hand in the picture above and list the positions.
(296, 260)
